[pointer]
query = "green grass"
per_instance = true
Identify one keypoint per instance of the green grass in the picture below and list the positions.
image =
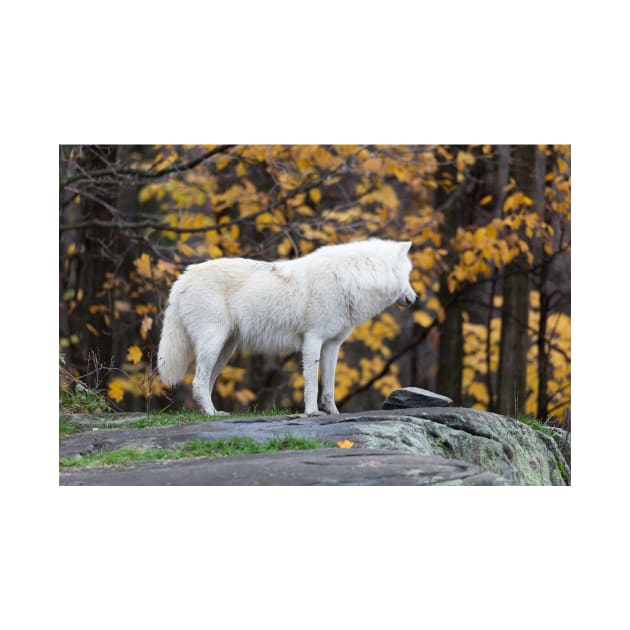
(194, 448)
(536, 424)
(157, 419)
(81, 399)
(67, 427)
(164, 417)
(562, 471)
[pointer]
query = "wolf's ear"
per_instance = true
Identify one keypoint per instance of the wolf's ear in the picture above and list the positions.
(405, 246)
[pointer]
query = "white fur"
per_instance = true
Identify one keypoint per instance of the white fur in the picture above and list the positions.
(309, 304)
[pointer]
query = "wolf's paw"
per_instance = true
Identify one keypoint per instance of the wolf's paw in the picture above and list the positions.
(216, 412)
(332, 410)
(327, 403)
(317, 412)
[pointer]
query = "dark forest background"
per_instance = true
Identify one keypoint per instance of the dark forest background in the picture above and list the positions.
(490, 226)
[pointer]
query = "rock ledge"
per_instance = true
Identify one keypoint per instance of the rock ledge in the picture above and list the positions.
(513, 453)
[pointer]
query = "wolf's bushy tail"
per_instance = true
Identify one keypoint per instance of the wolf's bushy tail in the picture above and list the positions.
(175, 351)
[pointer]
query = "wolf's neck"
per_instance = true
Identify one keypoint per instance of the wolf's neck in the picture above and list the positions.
(367, 300)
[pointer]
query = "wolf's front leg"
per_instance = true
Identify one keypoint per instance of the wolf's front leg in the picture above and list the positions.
(311, 350)
(330, 350)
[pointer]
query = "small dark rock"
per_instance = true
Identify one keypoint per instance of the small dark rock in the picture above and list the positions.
(410, 397)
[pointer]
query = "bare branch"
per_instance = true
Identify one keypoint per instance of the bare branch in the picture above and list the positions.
(164, 227)
(410, 346)
(143, 174)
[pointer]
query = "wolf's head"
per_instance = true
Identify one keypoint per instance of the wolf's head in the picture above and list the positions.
(402, 270)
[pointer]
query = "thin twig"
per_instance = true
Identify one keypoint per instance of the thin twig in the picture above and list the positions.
(144, 174)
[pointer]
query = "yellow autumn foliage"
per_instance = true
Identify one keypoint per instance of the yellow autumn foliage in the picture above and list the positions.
(278, 201)
(134, 354)
(476, 360)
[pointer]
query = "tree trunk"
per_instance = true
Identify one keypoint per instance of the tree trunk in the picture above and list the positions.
(543, 260)
(501, 182)
(512, 377)
(451, 344)
(451, 352)
(91, 266)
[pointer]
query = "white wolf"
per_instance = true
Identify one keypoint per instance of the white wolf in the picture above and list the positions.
(309, 304)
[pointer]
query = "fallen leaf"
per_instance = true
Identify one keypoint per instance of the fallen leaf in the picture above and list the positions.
(345, 444)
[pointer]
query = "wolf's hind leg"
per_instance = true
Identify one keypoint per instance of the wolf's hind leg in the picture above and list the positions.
(224, 356)
(209, 350)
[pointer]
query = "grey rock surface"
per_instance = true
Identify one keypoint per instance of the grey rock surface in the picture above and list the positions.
(411, 397)
(325, 467)
(496, 444)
